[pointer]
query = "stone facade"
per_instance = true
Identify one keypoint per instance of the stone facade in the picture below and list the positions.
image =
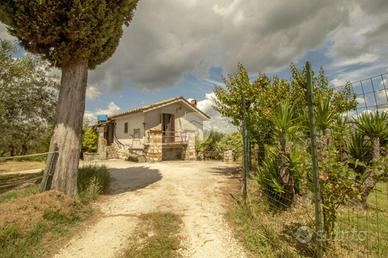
(190, 152)
(154, 148)
(228, 156)
(88, 156)
(101, 144)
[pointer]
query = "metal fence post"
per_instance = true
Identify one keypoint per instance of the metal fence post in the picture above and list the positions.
(317, 193)
(245, 149)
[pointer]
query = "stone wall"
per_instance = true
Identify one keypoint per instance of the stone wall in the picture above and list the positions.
(228, 156)
(190, 153)
(89, 156)
(154, 150)
(101, 143)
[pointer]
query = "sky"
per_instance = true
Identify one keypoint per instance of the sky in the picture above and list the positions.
(185, 47)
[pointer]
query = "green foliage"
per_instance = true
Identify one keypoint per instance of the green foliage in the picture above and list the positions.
(264, 95)
(373, 125)
(269, 179)
(68, 32)
(231, 141)
(358, 148)
(92, 180)
(27, 101)
(209, 147)
(325, 116)
(337, 183)
(89, 140)
(216, 143)
(286, 122)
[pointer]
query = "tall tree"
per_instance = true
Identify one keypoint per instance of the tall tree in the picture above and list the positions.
(74, 35)
(27, 100)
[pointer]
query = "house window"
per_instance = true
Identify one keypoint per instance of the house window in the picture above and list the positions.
(125, 127)
(136, 133)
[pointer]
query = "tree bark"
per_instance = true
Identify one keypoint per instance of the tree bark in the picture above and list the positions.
(68, 127)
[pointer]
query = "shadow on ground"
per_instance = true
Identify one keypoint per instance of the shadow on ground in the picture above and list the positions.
(131, 179)
(234, 172)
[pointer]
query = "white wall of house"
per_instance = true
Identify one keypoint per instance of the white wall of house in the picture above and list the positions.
(185, 118)
(135, 121)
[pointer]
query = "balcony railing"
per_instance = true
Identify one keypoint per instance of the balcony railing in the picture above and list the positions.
(171, 137)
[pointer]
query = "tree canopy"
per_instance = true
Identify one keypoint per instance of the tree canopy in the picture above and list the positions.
(71, 31)
(27, 100)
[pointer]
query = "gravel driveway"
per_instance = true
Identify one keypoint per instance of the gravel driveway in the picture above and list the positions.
(194, 190)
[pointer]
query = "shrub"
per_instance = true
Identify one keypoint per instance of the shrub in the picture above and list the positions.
(92, 180)
(268, 176)
(89, 140)
(209, 147)
(232, 141)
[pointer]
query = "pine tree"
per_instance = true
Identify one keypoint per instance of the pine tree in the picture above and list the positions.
(73, 35)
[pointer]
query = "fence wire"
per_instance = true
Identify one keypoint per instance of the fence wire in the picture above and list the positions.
(371, 94)
(289, 230)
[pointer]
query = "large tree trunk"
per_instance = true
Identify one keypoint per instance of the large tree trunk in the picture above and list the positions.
(68, 127)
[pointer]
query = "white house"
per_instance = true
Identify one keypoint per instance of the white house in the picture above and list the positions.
(165, 130)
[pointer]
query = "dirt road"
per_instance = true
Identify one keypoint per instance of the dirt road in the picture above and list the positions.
(194, 190)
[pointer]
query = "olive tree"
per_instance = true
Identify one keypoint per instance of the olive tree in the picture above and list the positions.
(73, 35)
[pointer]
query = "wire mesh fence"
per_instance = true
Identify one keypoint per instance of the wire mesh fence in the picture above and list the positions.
(284, 202)
(371, 94)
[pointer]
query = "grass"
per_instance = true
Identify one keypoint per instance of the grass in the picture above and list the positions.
(263, 232)
(157, 236)
(267, 233)
(368, 229)
(92, 181)
(53, 225)
(14, 242)
(14, 194)
(14, 166)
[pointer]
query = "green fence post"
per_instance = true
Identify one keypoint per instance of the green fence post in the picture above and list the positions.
(317, 193)
(245, 149)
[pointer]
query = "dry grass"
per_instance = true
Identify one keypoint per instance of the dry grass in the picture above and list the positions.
(32, 226)
(156, 237)
(15, 166)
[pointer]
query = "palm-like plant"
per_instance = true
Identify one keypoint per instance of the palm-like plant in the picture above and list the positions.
(375, 127)
(324, 115)
(286, 128)
(358, 148)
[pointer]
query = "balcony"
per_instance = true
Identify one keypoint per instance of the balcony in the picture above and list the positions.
(174, 138)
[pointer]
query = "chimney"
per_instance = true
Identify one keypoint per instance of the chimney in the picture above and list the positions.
(193, 102)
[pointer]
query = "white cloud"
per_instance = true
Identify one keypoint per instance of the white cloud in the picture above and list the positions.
(92, 92)
(90, 117)
(364, 38)
(160, 46)
(217, 121)
(169, 38)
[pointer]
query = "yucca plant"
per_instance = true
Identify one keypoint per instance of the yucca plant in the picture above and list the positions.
(324, 115)
(286, 128)
(358, 148)
(340, 134)
(374, 127)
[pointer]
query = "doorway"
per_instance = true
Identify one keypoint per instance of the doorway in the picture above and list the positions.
(168, 127)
